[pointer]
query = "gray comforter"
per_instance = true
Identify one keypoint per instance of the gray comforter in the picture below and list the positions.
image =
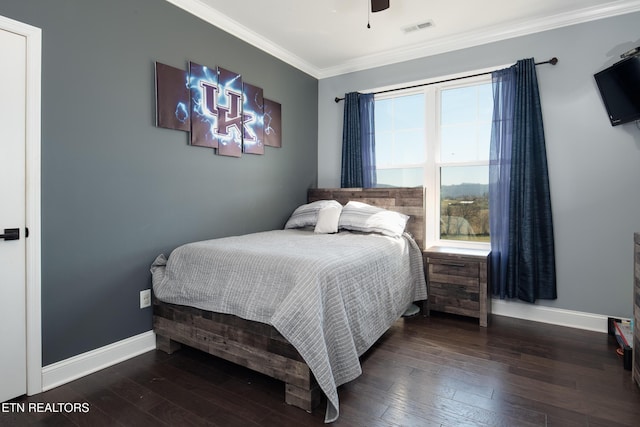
(330, 295)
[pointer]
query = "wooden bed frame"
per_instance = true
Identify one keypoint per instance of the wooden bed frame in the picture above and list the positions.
(259, 346)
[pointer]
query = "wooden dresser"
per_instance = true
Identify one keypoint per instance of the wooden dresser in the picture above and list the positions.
(457, 281)
(635, 367)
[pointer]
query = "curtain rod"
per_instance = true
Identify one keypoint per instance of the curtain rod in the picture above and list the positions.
(552, 61)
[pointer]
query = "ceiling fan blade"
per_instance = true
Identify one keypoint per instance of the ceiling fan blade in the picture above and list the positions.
(378, 5)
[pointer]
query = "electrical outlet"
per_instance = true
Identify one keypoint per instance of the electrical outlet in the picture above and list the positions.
(145, 298)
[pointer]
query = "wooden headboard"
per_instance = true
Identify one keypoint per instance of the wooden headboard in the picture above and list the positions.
(409, 201)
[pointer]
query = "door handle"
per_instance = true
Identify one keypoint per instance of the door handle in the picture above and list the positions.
(10, 234)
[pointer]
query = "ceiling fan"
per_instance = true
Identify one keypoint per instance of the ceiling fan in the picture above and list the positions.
(379, 5)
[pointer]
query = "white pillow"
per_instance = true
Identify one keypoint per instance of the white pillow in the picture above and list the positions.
(358, 216)
(307, 215)
(328, 218)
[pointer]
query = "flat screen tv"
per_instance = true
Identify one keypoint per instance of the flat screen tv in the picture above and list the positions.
(620, 90)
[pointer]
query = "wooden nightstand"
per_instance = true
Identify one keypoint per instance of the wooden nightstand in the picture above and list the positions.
(457, 281)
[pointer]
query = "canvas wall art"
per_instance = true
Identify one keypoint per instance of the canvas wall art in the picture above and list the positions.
(218, 109)
(203, 89)
(253, 123)
(229, 113)
(272, 123)
(172, 97)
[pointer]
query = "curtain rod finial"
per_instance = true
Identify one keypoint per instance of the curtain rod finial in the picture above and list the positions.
(337, 99)
(553, 61)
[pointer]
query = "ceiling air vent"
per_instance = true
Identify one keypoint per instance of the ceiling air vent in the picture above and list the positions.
(415, 27)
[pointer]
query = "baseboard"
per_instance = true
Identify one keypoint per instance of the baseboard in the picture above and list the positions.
(554, 316)
(65, 371)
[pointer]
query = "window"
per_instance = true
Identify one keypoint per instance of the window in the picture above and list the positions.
(438, 136)
(400, 147)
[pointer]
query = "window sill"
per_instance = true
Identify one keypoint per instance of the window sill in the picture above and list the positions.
(459, 244)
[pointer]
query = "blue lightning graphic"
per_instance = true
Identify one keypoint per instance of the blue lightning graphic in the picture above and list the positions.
(182, 112)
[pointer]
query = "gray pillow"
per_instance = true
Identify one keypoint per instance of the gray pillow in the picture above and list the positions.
(307, 215)
(358, 216)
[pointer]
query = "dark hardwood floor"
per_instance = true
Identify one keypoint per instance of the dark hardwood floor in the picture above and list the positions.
(437, 371)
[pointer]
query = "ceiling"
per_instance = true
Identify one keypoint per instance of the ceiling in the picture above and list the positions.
(325, 38)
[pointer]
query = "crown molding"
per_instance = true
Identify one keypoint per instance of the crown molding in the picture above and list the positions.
(485, 36)
(217, 19)
(432, 47)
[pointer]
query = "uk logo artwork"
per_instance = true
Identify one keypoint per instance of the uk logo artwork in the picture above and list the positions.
(225, 113)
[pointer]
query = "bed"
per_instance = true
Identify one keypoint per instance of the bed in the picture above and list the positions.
(305, 316)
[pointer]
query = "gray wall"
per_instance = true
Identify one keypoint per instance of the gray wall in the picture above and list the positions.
(594, 168)
(117, 191)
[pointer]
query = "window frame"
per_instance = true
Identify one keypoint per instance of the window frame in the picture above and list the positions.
(432, 164)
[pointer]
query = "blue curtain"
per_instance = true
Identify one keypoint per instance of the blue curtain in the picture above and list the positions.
(522, 246)
(358, 142)
(366, 104)
(499, 176)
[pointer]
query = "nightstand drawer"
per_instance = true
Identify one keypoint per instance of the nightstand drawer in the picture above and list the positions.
(456, 299)
(456, 268)
(469, 289)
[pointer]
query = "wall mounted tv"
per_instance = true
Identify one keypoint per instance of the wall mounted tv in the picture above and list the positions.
(620, 90)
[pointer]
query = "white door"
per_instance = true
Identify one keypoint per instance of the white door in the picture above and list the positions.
(13, 354)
